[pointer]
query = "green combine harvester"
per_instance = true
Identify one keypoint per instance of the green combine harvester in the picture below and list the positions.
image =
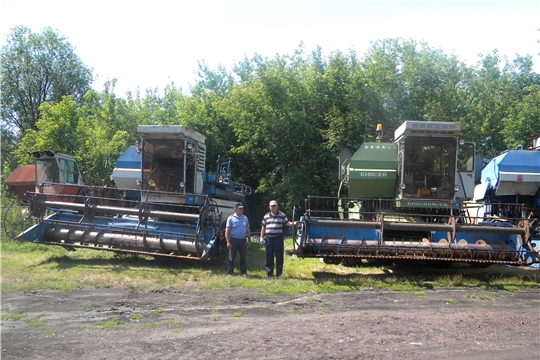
(410, 200)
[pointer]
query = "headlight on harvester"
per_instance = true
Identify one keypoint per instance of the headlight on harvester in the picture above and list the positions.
(456, 188)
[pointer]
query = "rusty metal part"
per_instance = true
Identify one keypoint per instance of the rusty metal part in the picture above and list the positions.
(413, 258)
(123, 251)
(71, 234)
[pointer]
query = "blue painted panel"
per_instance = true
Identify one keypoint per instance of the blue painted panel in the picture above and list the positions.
(129, 159)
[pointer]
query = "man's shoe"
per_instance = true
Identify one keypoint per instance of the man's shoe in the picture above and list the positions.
(229, 274)
(244, 275)
(267, 276)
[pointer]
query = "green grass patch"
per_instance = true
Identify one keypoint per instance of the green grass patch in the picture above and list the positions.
(158, 310)
(30, 267)
(482, 296)
(151, 325)
(449, 301)
(111, 323)
(50, 332)
(35, 321)
(136, 316)
(237, 314)
(12, 315)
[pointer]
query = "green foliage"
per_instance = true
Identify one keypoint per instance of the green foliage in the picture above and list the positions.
(523, 121)
(35, 68)
(283, 120)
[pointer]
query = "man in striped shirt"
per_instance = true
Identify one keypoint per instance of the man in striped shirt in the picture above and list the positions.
(272, 227)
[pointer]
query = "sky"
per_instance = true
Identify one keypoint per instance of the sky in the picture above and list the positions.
(153, 43)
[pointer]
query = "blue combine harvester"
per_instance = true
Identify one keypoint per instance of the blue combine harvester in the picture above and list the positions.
(165, 203)
(411, 199)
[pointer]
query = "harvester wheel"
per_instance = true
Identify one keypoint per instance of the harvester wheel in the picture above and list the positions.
(13, 218)
(331, 261)
(480, 265)
(350, 262)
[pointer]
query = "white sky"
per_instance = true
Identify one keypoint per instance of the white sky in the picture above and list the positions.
(149, 44)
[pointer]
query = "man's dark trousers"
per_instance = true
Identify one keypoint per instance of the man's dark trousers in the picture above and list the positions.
(240, 246)
(274, 247)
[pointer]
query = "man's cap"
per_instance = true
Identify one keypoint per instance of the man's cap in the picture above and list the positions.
(238, 205)
(273, 202)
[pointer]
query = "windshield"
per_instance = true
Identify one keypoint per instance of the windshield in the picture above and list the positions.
(47, 171)
(429, 167)
(163, 166)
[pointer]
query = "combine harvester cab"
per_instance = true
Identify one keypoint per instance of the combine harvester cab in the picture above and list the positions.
(52, 172)
(163, 208)
(406, 201)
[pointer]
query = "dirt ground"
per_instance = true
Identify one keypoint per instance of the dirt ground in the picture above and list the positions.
(240, 323)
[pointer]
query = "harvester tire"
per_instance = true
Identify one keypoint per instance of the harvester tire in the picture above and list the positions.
(480, 265)
(331, 261)
(350, 262)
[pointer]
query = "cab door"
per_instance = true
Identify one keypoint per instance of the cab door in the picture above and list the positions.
(465, 178)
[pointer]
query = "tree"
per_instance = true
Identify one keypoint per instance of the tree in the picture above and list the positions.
(523, 123)
(36, 68)
(96, 132)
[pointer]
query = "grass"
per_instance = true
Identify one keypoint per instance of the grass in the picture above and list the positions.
(151, 325)
(482, 296)
(15, 316)
(35, 321)
(111, 323)
(28, 267)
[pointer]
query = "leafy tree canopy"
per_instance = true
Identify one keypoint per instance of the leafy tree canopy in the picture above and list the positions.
(283, 120)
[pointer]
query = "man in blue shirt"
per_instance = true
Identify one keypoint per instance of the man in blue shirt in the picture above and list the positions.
(272, 227)
(236, 231)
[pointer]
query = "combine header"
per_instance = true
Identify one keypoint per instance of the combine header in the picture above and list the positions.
(406, 201)
(168, 206)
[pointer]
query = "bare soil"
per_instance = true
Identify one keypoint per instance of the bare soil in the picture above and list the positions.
(240, 323)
